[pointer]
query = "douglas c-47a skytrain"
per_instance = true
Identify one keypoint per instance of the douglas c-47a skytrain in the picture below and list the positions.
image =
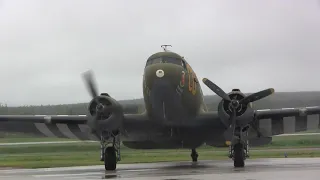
(175, 117)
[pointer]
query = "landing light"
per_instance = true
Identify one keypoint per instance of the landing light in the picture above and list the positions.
(160, 73)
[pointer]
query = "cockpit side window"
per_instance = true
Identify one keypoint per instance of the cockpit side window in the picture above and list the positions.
(183, 63)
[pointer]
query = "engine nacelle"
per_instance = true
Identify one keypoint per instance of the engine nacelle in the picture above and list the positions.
(244, 113)
(105, 113)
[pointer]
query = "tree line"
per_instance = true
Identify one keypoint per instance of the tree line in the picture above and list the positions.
(277, 100)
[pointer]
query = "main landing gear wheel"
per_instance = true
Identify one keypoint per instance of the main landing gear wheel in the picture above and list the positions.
(110, 150)
(239, 155)
(110, 158)
(194, 155)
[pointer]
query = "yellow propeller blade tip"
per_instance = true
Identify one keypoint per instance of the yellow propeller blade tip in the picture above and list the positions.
(204, 79)
(272, 90)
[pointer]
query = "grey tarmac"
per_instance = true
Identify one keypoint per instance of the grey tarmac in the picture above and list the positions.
(256, 169)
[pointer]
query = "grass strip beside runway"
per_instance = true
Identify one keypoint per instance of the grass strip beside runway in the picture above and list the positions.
(57, 155)
(277, 141)
(291, 140)
(78, 158)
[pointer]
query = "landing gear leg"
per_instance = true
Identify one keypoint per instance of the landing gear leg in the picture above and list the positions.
(110, 151)
(194, 155)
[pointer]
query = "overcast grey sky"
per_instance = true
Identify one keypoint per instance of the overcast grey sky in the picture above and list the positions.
(45, 45)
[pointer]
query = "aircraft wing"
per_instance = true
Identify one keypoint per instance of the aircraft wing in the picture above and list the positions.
(270, 122)
(287, 120)
(62, 119)
(59, 126)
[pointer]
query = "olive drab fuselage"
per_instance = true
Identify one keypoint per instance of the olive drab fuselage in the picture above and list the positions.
(171, 88)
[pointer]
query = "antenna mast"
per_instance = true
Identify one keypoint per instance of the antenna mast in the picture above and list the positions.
(164, 47)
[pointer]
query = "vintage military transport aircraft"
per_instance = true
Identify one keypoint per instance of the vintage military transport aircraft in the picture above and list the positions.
(175, 116)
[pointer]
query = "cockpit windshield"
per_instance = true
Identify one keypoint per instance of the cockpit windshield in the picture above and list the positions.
(154, 61)
(165, 60)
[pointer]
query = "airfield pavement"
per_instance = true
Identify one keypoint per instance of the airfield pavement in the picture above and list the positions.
(255, 169)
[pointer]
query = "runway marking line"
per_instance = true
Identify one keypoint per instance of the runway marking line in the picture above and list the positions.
(64, 175)
(92, 173)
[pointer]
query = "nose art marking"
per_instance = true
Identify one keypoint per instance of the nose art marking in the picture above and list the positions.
(160, 73)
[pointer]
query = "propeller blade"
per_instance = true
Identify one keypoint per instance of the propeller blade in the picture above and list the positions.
(256, 129)
(216, 89)
(256, 96)
(229, 134)
(92, 123)
(89, 81)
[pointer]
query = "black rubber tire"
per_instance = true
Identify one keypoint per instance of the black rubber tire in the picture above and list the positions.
(238, 159)
(194, 156)
(194, 159)
(110, 159)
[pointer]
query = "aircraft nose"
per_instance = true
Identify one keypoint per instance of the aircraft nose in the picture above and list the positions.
(162, 97)
(168, 75)
(159, 73)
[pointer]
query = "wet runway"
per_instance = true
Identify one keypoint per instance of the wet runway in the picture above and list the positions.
(256, 169)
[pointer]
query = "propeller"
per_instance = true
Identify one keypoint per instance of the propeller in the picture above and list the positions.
(257, 96)
(234, 104)
(216, 89)
(93, 90)
(89, 82)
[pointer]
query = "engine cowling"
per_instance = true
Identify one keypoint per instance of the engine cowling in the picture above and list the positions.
(244, 113)
(105, 113)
